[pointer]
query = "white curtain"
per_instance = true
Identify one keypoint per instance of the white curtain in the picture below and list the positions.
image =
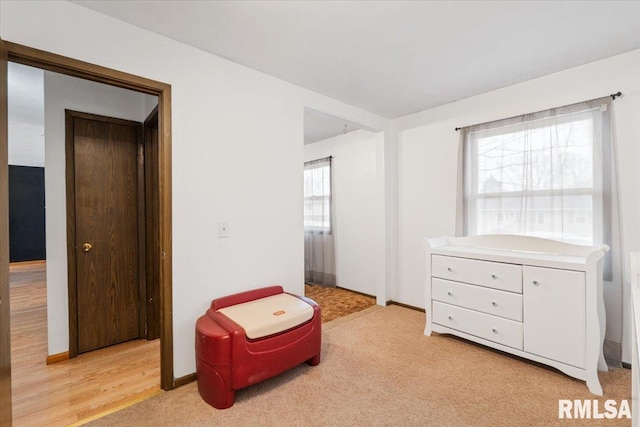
(548, 174)
(319, 245)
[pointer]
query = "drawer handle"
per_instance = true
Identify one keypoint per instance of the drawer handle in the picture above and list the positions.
(493, 303)
(494, 277)
(449, 269)
(450, 294)
(535, 282)
(494, 330)
(450, 317)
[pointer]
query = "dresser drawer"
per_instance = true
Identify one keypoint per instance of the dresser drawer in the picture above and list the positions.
(491, 301)
(492, 328)
(497, 275)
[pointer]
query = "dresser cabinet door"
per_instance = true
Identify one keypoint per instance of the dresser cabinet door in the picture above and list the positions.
(554, 314)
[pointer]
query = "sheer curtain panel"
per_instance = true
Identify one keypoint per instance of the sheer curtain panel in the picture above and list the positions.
(547, 174)
(319, 245)
(550, 174)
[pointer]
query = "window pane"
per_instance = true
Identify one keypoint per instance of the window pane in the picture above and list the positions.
(548, 155)
(561, 217)
(317, 198)
(317, 181)
(540, 178)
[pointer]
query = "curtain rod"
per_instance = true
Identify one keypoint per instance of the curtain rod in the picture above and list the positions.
(323, 159)
(613, 97)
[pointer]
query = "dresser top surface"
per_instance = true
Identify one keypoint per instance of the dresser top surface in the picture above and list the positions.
(514, 257)
(515, 249)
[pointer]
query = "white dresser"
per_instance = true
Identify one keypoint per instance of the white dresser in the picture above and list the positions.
(536, 298)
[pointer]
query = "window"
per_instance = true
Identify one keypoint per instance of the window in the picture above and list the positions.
(319, 244)
(317, 195)
(542, 174)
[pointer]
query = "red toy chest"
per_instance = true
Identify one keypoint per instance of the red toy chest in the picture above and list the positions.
(226, 360)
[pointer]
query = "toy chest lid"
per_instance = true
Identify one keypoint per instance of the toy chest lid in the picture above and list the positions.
(269, 315)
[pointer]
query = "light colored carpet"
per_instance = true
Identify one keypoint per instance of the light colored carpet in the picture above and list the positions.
(379, 369)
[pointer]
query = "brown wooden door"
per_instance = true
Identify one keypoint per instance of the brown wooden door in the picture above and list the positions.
(5, 331)
(106, 205)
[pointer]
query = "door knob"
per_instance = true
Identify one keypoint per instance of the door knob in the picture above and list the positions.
(86, 247)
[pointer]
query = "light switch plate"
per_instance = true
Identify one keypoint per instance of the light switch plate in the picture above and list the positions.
(223, 229)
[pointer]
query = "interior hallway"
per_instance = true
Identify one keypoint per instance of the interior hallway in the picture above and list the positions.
(67, 392)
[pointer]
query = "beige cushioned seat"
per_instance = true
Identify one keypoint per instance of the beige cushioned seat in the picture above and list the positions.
(270, 315)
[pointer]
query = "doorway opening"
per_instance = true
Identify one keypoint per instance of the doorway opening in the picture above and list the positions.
(343, 213)
(157, 237)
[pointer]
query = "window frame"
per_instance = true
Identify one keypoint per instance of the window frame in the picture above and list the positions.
(472, 194)
(325, 227)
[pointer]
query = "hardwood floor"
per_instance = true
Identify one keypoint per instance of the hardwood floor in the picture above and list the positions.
(73, 390)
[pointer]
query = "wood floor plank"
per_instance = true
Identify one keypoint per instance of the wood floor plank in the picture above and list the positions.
(73, 390)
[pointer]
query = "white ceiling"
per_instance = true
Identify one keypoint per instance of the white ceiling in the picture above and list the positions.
(319, 125)
(395, 57)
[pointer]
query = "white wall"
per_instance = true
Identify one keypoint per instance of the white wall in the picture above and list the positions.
(60, 93)
(427, 202)
(428, 162)
(25, 102)
(237, 154)
(357, 193)
(150, 102)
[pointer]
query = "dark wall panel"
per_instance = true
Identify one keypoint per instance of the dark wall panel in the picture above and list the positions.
(26, 213)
